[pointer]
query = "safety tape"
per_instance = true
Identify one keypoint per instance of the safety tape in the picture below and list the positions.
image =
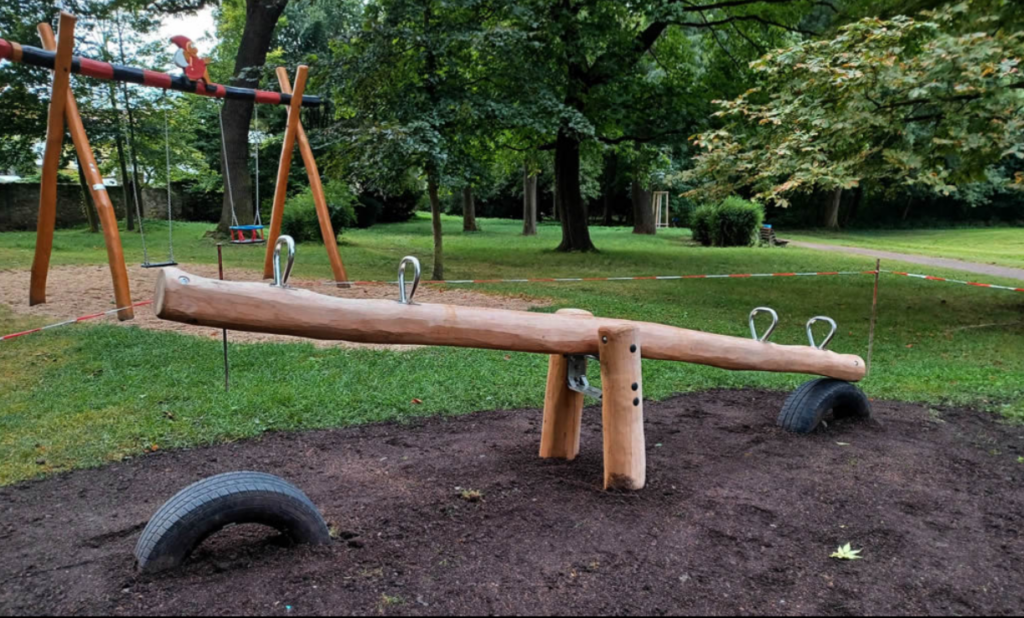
(593, 279)
(84, 318)
(957, 281)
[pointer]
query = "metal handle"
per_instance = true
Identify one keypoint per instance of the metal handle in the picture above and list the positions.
(402, 298)
(810, 331)
(771, 329)
(281, 280)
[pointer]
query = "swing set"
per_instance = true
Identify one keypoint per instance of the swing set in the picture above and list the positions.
(57, 56)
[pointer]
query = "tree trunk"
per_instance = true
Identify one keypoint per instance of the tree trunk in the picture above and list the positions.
(529, 202)
(435, 217)
(831, 219)
(468, 210)
(572, 210)
(858, 198)
(643, 211)
(608, 187)
(90, 210)
(261, 18)
(556, 212)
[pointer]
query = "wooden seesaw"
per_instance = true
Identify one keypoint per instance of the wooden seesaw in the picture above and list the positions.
(569, 337)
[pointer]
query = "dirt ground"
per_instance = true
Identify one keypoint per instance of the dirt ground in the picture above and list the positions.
(74, 291)
(738, 518)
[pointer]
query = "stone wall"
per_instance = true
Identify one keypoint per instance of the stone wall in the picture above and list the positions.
(19, 205)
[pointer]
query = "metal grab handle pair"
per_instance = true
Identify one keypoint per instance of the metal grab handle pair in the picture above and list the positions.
(775, 322)
(281, 277)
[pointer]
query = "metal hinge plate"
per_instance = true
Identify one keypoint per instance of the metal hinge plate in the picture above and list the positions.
(577, 377)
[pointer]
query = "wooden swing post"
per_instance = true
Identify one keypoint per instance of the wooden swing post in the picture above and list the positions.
(47, 221)
(284, 168)
(317, 187)
(104, 207)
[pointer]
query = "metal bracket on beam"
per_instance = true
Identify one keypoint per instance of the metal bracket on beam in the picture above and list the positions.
(577, 377)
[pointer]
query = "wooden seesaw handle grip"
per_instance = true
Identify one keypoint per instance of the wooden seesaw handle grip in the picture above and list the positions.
(261, 308)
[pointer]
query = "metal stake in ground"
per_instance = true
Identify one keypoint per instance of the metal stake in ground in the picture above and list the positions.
(874, 314)
(227, 371)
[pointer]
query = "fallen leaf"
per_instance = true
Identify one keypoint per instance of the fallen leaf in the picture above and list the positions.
(847, 553)
(417, 401)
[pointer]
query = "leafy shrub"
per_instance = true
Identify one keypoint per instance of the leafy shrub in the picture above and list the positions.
(300, 220)
(734, 222)
(372, 208)
(368, 210)
(702, 222)
(400, 207)
(739, 222)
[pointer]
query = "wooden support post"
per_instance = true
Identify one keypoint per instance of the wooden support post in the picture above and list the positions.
(104, 207)
(51, 160)
(625, 450)
(317, 187)
(281, 188)
(563, 408)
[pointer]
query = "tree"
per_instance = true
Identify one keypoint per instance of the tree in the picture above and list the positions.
(600, 62)
(529, 199)
(412, 84)
(935, 103)
(250, 56)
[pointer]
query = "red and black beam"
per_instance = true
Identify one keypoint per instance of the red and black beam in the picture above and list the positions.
(34, 56)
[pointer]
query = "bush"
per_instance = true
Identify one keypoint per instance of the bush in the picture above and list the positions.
(701, 223)
(300, 220)
(372, 208)
(368, 210)
(733, 223)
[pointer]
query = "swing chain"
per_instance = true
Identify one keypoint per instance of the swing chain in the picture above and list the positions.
(170, 207)
(227, 167)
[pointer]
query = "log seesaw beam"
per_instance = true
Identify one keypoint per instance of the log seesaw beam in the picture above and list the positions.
(261, 308)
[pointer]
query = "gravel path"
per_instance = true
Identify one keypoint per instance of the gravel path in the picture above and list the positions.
(971, 267)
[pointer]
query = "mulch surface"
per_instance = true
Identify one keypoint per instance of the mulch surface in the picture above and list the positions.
(737, 518)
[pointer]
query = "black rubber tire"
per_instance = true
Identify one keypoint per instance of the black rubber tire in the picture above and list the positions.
(808, 405)
(206, 507)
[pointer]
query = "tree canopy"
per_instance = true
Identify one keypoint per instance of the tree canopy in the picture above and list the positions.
(933, 102)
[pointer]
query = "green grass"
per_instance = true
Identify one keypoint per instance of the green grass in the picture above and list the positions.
(1001, 246)
(89, 394)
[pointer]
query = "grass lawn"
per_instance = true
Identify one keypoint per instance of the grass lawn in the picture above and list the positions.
(1001, 246)
(88, 394)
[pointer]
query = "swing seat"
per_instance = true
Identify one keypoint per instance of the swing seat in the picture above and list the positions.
(158, 264)
(254, 237)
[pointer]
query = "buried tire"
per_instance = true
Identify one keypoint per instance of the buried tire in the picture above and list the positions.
(805, 409)
(206, 507)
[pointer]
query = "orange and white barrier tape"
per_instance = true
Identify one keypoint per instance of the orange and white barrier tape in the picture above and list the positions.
(591, 279)
(84, 318)
(958, 281)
